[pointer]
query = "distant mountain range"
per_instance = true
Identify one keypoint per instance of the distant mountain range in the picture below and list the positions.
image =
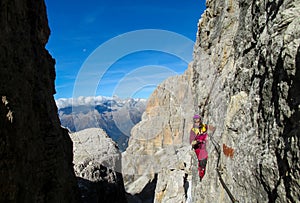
(114, 115)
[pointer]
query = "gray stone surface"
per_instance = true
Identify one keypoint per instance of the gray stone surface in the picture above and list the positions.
(252, 53)
(94, 145)
(97, 164)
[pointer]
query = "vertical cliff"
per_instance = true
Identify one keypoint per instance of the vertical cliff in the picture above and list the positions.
(36, 153)
(158, 150)
(244, 80)
(246, 70)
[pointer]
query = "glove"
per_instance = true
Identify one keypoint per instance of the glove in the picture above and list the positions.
(194, 142)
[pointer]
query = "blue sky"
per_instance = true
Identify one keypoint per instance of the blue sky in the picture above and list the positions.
(82, 32)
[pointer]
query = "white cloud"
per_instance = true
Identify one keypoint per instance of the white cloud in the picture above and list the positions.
(65, 102)
(86, 101)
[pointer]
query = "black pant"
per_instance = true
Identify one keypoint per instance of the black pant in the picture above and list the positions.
(202, 163)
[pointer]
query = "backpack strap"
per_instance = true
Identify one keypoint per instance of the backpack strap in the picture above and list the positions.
(203, 128)
(196, 131)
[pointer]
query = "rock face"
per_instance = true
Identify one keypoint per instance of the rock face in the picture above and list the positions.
(36, 153)
(158, 145)
(245, 81)
(97, 164)
(247, 57)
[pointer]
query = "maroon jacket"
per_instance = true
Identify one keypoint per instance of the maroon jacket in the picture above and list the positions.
(201, 137)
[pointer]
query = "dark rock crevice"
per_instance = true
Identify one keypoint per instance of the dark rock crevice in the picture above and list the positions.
(109, 186)
(147, 194)
(272, 192)
(290, 137)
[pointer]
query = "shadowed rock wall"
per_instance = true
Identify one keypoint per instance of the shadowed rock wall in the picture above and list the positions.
(36, 153)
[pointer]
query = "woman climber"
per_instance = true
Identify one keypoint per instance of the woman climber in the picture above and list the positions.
(198, 139)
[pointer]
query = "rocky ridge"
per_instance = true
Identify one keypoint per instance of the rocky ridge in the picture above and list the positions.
(244, 81)
(97, 165)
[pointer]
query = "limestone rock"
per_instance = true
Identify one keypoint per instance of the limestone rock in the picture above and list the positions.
(93, 144)
(159, 143)
(244, 80)
(36, 153)
(251, 49)
(97, 164)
